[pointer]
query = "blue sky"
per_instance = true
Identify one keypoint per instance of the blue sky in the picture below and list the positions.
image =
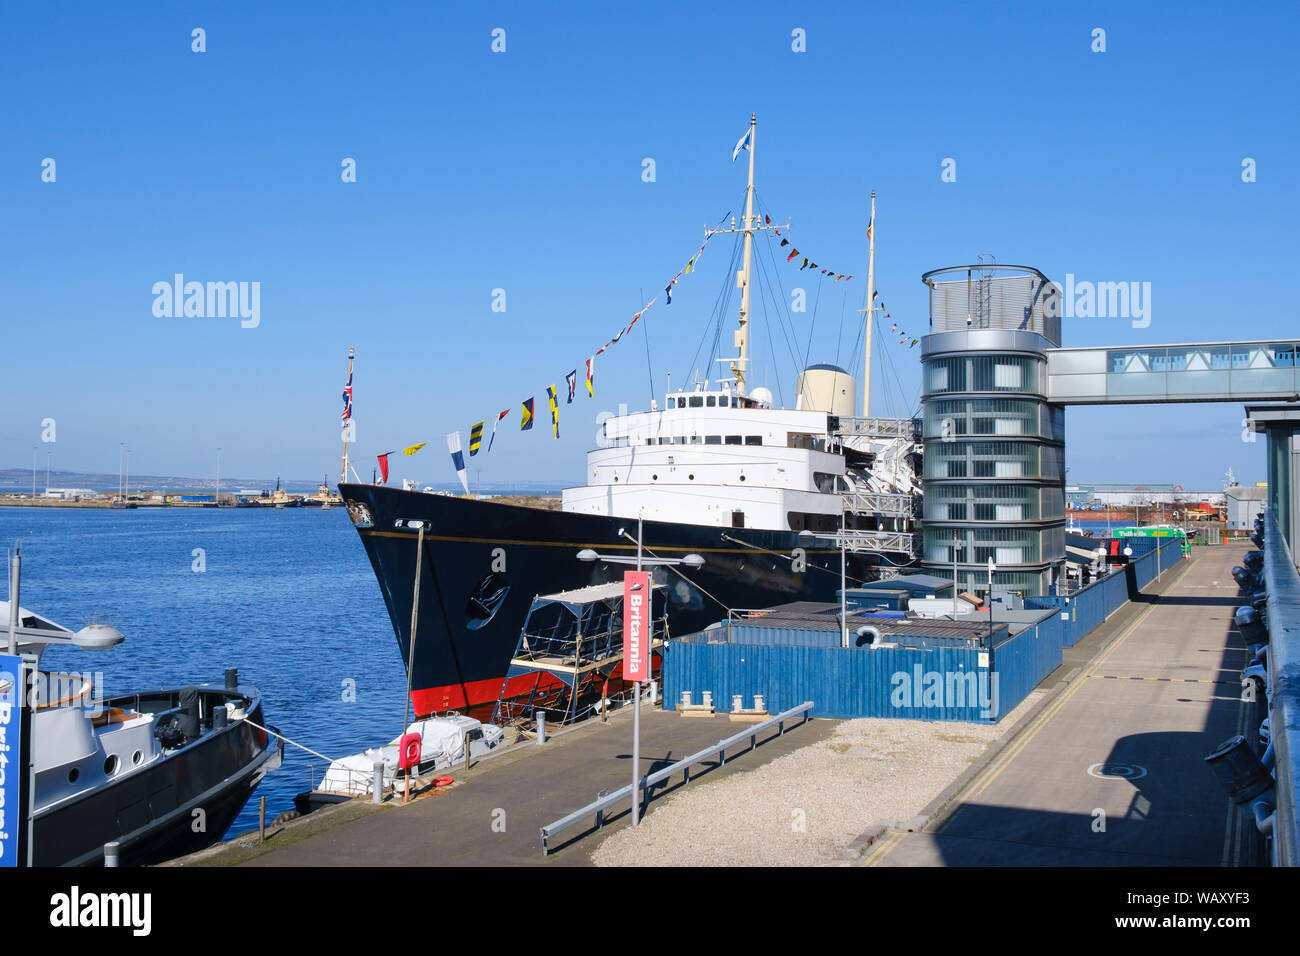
(522, 171)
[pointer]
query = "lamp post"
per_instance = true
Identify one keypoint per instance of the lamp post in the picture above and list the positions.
(842, 538)
(691, 561)
(954, 574)
(992, 567)
(410, 653)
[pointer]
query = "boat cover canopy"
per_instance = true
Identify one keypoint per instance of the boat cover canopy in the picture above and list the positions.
(613, 591)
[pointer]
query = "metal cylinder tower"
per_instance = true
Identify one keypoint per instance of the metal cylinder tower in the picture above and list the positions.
(994, 471)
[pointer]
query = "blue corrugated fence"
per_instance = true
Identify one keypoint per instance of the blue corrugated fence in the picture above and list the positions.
(939, 683)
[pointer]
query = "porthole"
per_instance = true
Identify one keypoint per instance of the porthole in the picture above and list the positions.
(110, 765)
(73, 774)
(691, 477)
(137, 758)
(742, 477)
(654, 477)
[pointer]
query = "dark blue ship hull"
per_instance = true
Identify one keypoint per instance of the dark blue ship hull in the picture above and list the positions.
(484, 562)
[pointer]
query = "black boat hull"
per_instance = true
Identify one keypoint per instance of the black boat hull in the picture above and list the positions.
(484, 562)
(151, 813)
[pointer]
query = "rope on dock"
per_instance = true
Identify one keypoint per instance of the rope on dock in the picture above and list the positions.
(287, 740)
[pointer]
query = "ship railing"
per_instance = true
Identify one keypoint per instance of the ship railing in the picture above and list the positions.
(856, 540)
(643, 786)
(886, 504)
(905, 428)
(360, 783)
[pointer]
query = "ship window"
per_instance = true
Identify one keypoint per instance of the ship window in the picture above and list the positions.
(73, 774)
(110, 765)
(753, 439)
(711, 401)
(738, 519)
(672, 403)
(697, 440)
(742, 477)
(654, 477)
(691, 477)
(733, 439)
(713, 439)
(697, 401)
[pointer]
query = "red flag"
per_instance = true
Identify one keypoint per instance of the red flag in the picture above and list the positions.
(383, 466)
(792, 255)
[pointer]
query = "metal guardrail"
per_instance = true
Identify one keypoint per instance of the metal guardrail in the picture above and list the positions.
(1283, 585)
(598, 806)
(890, 504)
(856, 540)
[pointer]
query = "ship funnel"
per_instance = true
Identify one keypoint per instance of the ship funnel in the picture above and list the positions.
(827, 388)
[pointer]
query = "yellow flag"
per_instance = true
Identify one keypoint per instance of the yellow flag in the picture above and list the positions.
(408, 452)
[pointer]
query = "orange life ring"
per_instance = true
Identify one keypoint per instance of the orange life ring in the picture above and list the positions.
(443, 781)
(409, 751)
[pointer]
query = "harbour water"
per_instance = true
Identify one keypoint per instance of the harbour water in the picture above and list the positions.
(287, 596)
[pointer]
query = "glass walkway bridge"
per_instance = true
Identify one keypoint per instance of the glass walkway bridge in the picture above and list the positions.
(1206, 372)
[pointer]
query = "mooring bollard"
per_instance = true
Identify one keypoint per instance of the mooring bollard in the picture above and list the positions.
(654, 691)
(378, 785)
(261, 820)
(110, 853)
(541, 727)
(232, 678)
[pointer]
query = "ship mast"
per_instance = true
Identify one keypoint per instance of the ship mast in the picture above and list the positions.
(740, 366)
(347, 424)
(749, 226)
(871, 307)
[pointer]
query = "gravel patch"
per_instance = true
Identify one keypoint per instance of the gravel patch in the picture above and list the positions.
(803, 808)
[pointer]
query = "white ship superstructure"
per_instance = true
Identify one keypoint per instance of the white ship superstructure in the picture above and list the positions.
(721, 457)
(714, 457)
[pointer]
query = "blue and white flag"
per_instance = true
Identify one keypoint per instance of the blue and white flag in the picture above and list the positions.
(458, 459)
(743, 144)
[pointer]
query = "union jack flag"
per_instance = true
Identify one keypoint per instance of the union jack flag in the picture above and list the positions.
(347, 399)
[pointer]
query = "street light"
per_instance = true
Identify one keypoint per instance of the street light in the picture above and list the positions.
(844, 614)
(415, 620)
(691, 561)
